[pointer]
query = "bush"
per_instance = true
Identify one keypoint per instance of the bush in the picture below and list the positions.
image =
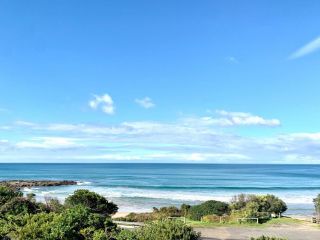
(137, 217)
(208, 208)
(7, 193)
(93, 201)
(18, 205)
(73, 223)
(157, 214)
(53, 205)
(127, 235)
(168, 230)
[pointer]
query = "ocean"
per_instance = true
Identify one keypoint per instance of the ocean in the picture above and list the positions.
(139, 187)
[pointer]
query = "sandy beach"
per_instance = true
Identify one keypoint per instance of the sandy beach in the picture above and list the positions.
(120, 214)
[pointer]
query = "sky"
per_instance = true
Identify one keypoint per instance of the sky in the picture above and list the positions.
(160, 81)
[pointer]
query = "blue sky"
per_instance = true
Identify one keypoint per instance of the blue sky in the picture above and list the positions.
(160, 81)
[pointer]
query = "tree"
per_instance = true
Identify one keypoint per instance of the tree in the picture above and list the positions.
(185, 209)
(93, 201)
(257, 206)
(276, 205)
(316, 202)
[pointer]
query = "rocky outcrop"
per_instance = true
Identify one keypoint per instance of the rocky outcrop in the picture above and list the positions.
(37, 183)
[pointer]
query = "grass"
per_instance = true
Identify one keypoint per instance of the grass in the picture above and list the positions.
(284, 220)
(274, 221)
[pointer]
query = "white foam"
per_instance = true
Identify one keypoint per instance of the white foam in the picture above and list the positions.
(122, 195)
(80, 183)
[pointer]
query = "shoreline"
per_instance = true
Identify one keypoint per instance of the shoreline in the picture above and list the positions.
(136, 201)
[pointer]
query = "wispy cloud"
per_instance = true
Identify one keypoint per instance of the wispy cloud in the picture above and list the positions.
(145, 102)
(49, 143)
(201, 139)
(103, 102)
(309, 48)
(243, 118)
(228, 119)
(232, 59)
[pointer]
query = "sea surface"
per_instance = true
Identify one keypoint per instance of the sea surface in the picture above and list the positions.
(139, 187)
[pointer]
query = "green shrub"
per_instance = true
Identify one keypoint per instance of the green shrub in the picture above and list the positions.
(127, 235)
(166, 229)
(207, 208)
(73, 223)
(137, 217)
(165, 212)
(157, 214)
(18, 205)
(53, 205)
(93, 201)
(7, 193)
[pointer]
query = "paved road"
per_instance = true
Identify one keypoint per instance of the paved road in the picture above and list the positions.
(290, 232)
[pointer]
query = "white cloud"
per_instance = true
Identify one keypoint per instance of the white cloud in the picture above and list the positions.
(145, 102)
(104, 102)
(197, 139)
(226, 119)
(48, 143)
(241, 118)
(194, 157)
(309, 48)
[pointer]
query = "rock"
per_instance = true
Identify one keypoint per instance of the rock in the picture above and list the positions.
(37, 183)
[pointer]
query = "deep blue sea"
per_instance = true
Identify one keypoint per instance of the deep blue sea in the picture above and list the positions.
(139, 187)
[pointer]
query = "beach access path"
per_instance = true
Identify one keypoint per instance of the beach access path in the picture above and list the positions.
(290, 232)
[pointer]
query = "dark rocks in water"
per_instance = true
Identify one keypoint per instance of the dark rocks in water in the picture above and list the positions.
(37, 183)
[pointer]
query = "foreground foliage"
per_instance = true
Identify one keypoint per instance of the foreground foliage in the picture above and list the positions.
(85, 215)
(160, 230)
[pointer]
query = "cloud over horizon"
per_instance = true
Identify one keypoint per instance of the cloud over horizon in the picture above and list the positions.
(198, 140)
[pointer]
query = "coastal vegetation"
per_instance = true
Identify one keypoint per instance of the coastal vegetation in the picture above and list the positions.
(259, 208)
(84, 215)
(87, 215)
